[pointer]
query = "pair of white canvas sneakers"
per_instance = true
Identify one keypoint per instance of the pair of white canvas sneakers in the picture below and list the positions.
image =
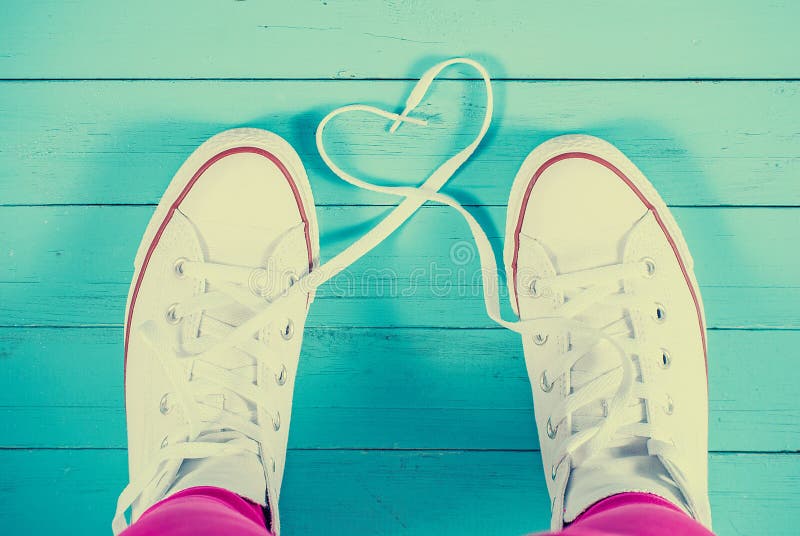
(601, 279)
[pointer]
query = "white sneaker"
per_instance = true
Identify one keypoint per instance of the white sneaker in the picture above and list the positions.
(617, 362)
(210, 362)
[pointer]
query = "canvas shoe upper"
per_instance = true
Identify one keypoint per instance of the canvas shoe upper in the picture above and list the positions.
(211, 354)
(616, 352)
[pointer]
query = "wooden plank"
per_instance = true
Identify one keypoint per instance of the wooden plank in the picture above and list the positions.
(121, 142)
(305, 39)
(382, 388)
(385, 492)
(72, 266)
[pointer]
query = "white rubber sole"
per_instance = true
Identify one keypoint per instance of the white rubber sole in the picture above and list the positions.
(581, 143)
(229, 139)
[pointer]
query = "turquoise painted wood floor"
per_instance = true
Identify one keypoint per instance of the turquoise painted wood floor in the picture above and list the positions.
(413, 413)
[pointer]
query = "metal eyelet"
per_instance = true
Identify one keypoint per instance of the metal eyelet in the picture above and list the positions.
(649, 267)
(282, 375)
(288, 331)
(666, 359)
(276, 421)
(178, 267)
(660, 314)
(539, 339)
(273, 465)
(546, 387)
(165, 406)
(171, 314)
(604, 403)
(551, 432)
(553, 472)
(165, 442)
(669, 409)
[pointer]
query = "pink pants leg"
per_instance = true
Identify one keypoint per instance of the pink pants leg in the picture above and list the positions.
(201, 511)
(208, 511)
(633, 514)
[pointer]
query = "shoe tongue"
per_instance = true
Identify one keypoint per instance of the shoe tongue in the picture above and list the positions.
(272, 265)
(219, 320)
(618, 470)
(242, 473)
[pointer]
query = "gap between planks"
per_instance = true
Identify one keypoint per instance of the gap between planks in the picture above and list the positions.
(362, 327)
(368, 79)
(420, 450)
(342, 205)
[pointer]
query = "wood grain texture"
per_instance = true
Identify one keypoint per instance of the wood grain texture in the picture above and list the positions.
(402, 386)
(707, 143)
(72, 266)
(387, 492)
(347, 39)
(382, 389)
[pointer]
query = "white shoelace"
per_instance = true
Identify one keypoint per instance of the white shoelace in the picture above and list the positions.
(212, 357)
(596, 286)
(221, 359)
(622, 417)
